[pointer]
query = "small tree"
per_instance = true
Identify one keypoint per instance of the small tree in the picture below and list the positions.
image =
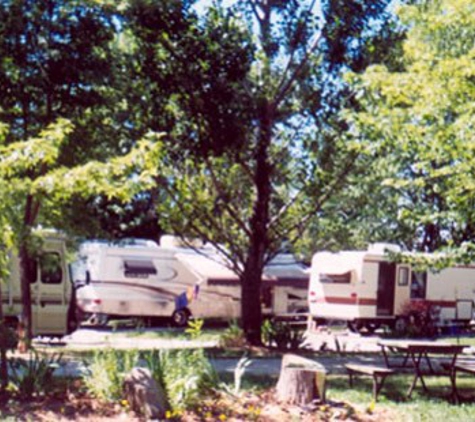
(30, 174)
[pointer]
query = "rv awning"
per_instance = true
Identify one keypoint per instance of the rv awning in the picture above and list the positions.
(139, 266)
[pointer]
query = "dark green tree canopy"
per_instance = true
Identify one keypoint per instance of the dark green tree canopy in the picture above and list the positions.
(194, 68)
(54, 60)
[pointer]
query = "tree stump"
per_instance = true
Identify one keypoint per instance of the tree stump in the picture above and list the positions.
(301, 380)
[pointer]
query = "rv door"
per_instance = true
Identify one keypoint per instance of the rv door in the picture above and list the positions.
(49, 304)
(386, 286)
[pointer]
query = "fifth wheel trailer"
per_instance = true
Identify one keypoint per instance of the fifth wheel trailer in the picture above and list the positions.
(367, 289)
(141, 279)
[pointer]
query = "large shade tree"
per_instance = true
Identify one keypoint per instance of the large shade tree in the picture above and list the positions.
(415, 129)
(54, 64)
(247, 95)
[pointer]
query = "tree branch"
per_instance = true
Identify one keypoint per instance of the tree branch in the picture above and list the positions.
(294, 49)
(303, 223)
(254, 5)
(222, 194)
(285, 87)
(234, 256)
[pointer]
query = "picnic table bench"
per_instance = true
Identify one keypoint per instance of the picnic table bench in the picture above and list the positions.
(378, 373)
(466, 367)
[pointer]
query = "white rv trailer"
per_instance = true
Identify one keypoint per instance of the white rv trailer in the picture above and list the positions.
(147, 280)
(52, 298)
(366, 289)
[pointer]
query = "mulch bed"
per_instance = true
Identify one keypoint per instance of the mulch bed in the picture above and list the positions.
(74, 404)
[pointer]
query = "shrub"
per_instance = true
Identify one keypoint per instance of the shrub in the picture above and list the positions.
(195, 328)
(105, 374)
(33, 375)
(185, 374)
(233, 336)
(421, 319)
(280, 334)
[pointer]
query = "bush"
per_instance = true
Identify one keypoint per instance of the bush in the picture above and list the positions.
(185, 374)
(233, 336)
(33, 375)
(105, 374)
(280, 334)
(420, 319)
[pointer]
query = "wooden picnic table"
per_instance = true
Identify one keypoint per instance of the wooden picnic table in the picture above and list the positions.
(414, 352)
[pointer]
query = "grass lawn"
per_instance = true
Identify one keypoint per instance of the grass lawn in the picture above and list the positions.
(469, 340)
(420, 407)
(207, 334)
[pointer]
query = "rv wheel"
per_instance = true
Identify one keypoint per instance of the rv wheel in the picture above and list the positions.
(180, 317)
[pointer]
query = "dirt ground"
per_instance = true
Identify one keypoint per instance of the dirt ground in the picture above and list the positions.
(77, 406)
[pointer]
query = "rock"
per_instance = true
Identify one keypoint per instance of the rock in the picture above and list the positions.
(144, 395)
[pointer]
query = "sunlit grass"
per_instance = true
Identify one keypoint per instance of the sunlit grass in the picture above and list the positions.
(421, 407)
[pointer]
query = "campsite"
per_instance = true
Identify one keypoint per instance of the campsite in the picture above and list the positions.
(255, 210)
(333, 347)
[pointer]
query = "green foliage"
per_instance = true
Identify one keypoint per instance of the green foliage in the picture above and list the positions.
(184, 374)
(233, 336)
(280, 334)
(33, 375)
(106, 371)
(56, 62)
(155, 362)
(195, 328)
(120, 177)
(420, 319)
(414, 128)
(187, 375)
(253, 164)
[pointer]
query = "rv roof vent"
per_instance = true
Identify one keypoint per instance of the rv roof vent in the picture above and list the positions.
(383, 247)
(134, 242)
(170, 241)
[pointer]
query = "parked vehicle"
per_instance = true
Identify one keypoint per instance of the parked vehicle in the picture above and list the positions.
(145, 280)
(52, 296)
(367, 289)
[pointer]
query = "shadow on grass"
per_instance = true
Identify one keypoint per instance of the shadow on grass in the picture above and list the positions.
(395, 389)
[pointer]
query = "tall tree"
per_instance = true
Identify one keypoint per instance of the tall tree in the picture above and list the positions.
(54, 63)
(248, 95)
(5, 244)
(418, 122)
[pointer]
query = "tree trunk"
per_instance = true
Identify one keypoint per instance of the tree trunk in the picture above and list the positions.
(251, 305)
(3, 348)
(25, 326)
(301, 381)
(27, 273)
(259, 244)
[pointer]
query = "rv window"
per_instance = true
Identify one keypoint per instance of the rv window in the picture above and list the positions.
(138, 268)
(403, 278)
(51, 269)
(344, 278)
(418, 285)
